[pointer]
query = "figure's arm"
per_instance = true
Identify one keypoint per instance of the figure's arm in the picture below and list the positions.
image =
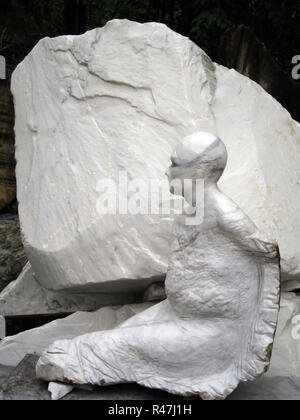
(234, 222)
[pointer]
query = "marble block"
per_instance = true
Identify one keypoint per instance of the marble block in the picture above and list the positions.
(119, 98)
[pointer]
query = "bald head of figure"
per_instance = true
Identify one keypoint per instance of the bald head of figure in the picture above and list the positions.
(200, 155)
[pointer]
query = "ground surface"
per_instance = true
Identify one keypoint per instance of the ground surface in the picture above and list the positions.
(21, 384)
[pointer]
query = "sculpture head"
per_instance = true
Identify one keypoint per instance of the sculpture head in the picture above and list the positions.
(198, 156)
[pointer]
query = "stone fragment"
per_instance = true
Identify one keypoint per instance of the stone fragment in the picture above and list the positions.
(285, 360)
(14, 348)
(25, 296)
(155, 292)
(58, 390)
(120, 98)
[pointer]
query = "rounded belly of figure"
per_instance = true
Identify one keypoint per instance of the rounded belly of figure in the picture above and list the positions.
(220, 281)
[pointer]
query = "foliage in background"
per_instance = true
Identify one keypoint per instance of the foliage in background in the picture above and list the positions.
(275, 22)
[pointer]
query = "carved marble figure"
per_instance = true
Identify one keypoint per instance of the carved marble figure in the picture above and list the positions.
(217, 325)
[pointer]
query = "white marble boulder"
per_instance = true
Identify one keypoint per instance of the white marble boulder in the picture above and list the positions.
(120, 98)
(216, 327)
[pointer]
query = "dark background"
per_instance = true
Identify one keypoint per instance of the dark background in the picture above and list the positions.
(274, 22)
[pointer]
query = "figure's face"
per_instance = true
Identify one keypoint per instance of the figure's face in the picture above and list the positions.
(178, 173)
(199, 156)
(174, 172)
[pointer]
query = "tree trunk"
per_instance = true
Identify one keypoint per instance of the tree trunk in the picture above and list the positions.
(187, 17)
(7, 160)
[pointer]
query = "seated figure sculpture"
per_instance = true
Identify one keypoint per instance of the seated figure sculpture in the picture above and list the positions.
(217, 325)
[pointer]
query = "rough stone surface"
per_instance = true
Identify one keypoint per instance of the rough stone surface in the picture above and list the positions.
(12, 254)
(5, 371)
(155, 292)
(270, 389)
(23, 385)
(121, 97)
(25, 296)
(216, 327)
(14, 348)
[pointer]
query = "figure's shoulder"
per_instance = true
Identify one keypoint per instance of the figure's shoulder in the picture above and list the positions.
(233, 221)
(231, 217)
